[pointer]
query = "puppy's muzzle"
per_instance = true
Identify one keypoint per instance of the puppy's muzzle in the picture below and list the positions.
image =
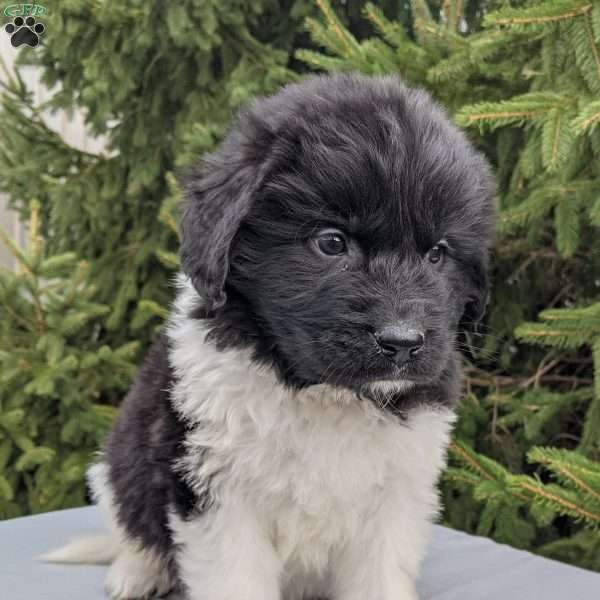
(400, 342)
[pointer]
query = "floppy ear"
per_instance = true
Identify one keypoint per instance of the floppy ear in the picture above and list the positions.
(216, 202)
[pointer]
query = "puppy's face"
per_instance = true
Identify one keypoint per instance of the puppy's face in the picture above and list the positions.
(351, 223)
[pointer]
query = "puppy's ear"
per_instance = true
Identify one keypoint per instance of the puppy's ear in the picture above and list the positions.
(478, 295)
(216, 202)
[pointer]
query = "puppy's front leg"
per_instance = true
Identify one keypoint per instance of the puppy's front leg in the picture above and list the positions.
(363, 576)
(381, 561)
(372, 572)
(225, 554)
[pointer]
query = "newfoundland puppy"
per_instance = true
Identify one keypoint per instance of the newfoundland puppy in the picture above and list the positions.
(283, 439)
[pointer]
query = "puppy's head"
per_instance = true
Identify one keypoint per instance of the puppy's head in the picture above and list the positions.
(341, 231)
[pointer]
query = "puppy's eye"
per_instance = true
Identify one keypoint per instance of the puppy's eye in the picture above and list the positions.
(331, 242)
(437, 253)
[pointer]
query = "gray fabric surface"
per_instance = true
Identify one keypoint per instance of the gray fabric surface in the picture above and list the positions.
(457, 567)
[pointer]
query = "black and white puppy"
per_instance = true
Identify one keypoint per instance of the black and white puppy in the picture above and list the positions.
(283, 440)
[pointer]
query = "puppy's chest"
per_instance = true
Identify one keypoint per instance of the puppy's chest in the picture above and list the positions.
(320, 461)
(315, 468)
(314, 476)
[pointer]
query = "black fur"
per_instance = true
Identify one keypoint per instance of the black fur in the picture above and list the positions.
(141, 451)
(382, 164)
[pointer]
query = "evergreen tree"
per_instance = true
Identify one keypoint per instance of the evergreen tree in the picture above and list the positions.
(57, 378)
(161, 82)
(526, 81)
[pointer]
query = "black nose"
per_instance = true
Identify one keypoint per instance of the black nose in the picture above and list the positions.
(400, 343)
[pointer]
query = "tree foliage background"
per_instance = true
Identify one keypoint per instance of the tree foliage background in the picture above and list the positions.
(162, 80)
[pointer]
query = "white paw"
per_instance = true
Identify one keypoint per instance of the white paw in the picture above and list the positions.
(137, 575)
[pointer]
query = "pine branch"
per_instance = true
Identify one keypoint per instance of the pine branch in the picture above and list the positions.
(580, 317)
(420, 10)
(539, 14)
(392, 32)
(516, 111)
(545, 335)
(566, 225)
(452, 11)
(590, 441)
(586, 52)
(539, 203)
(525, 489)
(320, 61)
(346, 40)
(572, 467)
(557, 140)
(558, 499)
(588, 118)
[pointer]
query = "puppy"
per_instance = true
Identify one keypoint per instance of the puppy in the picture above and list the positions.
(283, 439)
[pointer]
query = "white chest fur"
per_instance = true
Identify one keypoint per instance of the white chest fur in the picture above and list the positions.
(312, 468)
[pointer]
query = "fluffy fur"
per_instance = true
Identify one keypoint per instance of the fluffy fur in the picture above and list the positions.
(283, 440)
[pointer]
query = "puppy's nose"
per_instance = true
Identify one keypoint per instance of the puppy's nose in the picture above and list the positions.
(400, 343)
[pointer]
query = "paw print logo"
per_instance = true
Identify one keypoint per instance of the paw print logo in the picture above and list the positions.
(24, 31)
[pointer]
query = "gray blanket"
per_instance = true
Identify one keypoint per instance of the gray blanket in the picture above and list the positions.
(457, 567)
